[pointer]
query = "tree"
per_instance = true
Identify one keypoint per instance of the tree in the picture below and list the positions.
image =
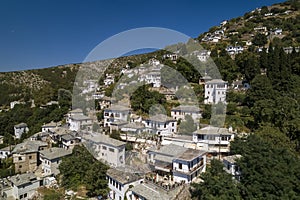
(260, 40)
(187, 126)
(217, 184)
(81, 168)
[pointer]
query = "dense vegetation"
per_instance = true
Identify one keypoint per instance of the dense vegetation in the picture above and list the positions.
(82, 169)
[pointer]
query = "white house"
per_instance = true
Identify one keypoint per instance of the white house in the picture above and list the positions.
(119, 182)
(215, 91)
(109, 79)
(20, 129)
(5, 152)
(213, 139)
(161, 125)
(73, 112)
(116, 113)
(188, 165)
(234, 50)
(107, 149)
(51, 158)
(22, 186)
(182, 163)
(80, 122)
(181, 111)
(69, 140)
(231, 167)
(50, 127)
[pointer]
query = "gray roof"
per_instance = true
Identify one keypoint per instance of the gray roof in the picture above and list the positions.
(190, 154)
(211, 130)
(122, 177)
(103, 139)
(116, 107)
(161, 118)
(29, 146)
(68, 136)
(216, 81)
(21, 179)
(54, 153)
(186, 108)
(51, 124)
(80, 117)
(171, 150)
(134, 125)
(77, 110)
(152, 192)
(21, 125)
(233, 158)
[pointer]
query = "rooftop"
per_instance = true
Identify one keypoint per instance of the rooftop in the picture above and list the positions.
(21, 179)
(80, 117)
(171, 150)
(161, 118)
(186, 108)
(29, 146)
(216, 81)
(103, 139)
(54, 153)
(134, 125)
(190, 154)
(233, 158)
(77, 110)
(122, 177)
(116, 107)
(21, 125)
(51, 124)
(211, 130)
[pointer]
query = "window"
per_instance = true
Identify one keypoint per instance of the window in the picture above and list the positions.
(180, 165)
(30, 157)
(104, 147)
(25, 195)
(165, 125)
(106, 114)
(173, 124)
(20, 158)
(111, 149)
(20, 166)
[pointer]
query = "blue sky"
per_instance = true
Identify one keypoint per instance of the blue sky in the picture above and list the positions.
(44, 33)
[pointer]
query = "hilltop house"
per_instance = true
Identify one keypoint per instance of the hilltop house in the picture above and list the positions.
(215, 91)
(69, 140)
(107, 149)
(26, 155)
(182, 163)
(180, 112)
(120, 181)
(50, 127)
(51, 158)
(161, 125)
(116, 113)
(20, 129)
(21, 186)
(213, 139)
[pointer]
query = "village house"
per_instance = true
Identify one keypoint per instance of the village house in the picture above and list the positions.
(234, 50)
(5, 152)
(51, 158)
(21, 186)
(231, 167)
(43, 136)
(80, 122)
(19, 129)
(215, 91)
(181, 163)
(106, 149)
(105, 102)
(50, 127)
(133, 128)
(73, 112)
(26, 155)
(119, 181)
(160, 125)
(109, 79)
(213, 139)
(116, 113)
(181, 111)
(204, 79)
(69, 140)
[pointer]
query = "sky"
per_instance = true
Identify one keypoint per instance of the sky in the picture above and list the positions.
(45, 33)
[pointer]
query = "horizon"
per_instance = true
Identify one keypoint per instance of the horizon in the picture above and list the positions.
(42, 34)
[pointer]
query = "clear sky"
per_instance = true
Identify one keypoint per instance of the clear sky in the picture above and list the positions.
(44, 33)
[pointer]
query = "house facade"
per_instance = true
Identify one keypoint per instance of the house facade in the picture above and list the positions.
(51, 158)
(215, 91)
(231, 167)
(119, 182)
(19, 129)
(107, 149)
(180, 112)
(160, 125)
(26, 155)
(116, 113)
(213, 139)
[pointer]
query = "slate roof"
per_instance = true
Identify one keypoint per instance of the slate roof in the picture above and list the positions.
(211, 130)
(54, 153)
(29, 146)
(186, 108)
(21, 125)
(103, 139)
(22, 179)
(122, 177)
